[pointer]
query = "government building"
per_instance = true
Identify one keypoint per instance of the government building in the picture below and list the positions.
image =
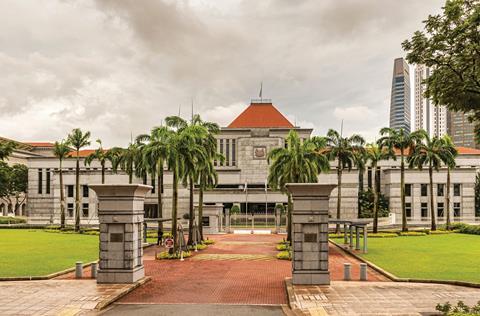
(245, 143)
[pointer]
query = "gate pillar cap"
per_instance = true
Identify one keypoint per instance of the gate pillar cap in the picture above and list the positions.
(135, 190)
(310, 189)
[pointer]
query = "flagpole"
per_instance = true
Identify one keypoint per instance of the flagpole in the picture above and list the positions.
(266, 205)
(246, 204)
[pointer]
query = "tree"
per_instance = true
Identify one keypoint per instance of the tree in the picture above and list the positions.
(342, 149)
(78, 139)
(367, 201)
(6, 149)
(448, 155)
(450, 44)
(19, 184)
(298, 163)
(61, 151)
(427, 151)
(5, 178)
(360, 160)
(477, 195)
(375, 153)
(404, 142)
(128, 158)
(102, 156)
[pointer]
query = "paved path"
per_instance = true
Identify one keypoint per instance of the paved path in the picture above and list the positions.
(379, 298)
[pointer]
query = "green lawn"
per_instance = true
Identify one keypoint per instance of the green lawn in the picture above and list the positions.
(445, 257)
(35, 252)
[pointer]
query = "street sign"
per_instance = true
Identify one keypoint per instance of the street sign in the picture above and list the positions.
(169, 243)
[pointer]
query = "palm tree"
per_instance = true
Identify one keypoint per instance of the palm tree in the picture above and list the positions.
(360, 160)
(448, 155)
(404, 142)
(298, 163)
(101, 155)
(61, 151)
(154, 154)
(77, 139)
(6, 149)
(427, 151)
(127, 158)
(342, 149)
(375, 153)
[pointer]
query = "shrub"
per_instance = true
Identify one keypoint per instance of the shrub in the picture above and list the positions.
(382, 235)
(448, 309)
(366, 205)
(176, 255)
(466, 228)
(235, 209)
(284, 242)
(284, 255)
(208, 242)
(333, 235)
(412, 233)
(440, 232)
(11, 220)
(199, 247)
(283, 247)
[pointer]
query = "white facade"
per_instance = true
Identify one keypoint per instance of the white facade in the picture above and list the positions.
(428, 117)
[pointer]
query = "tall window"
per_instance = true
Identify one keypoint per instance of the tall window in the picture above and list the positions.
(40, 181)
(456, 209)
(85, 210)
(408, 209)
(153, 185)
(233, 152)
(408, 189)
(69, 190)
(456, 189)
(85, 190)
(369, 177)
(424, 189)
(47, 190)
(440, 209)
(221, 150)
(440, 189)
(424, 209)
(70, 209)
(227, 152)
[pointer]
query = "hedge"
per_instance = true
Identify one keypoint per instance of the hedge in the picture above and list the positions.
(11, 220)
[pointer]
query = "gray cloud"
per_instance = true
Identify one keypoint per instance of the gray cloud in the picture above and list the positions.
(117, 67)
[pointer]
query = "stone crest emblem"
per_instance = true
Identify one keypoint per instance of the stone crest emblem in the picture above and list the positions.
(260, 152)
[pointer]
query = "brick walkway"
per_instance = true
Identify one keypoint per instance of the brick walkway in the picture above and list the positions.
(237, 269)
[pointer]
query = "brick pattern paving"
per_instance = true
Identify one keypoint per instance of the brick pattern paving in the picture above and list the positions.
(55, 297)
(378, 298)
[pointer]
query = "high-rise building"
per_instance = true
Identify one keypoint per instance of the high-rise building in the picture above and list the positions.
(400, 102)
(429, 117)
(461, 130)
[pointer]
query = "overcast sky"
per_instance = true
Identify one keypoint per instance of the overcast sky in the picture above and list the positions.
(117, 67)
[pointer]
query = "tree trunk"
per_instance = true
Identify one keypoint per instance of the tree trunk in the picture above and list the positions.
(103, 172)
(130, 177)
(289, 214)
(447, 199)
(339, 195)
(200, 212)
(375, 200)
(191, 213)
(432, 207)
(62, 199)
(402, 192)
(360, 190)
(159, 198)
(174, 209)
(77, 195)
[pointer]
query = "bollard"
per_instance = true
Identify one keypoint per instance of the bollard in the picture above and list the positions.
(94, 270)
(78, 270)
(347, 271)
(363, 272)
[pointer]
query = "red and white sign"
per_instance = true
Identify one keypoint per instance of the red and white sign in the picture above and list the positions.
(169, 243)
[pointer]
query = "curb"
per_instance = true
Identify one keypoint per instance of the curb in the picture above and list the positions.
(103, 304)
(410, 280)
(44, 277)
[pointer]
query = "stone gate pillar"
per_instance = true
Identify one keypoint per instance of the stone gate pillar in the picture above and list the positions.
(120, 214)
(310, 233)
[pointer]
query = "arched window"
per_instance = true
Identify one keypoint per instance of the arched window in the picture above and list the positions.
(10, 207)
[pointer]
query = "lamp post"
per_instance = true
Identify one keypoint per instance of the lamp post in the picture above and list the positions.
(245, 188)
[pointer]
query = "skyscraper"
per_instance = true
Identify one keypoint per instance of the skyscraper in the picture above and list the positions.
(461, 130)
(400, 102)
(428, 117)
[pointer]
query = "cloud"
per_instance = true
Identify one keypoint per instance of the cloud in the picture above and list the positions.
(117, 67)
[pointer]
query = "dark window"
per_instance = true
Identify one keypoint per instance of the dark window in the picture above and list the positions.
(47, 190)
(408, 190)
(206, 221)
(69, 190)
(440, 189)
(227, 152)
(40, 181)
(456, 209)
(221, 150)
(233, 152)
(440, 209)
(70, 209)
(85, 210)
(153, 185)
(423, 189)
(85, 190)
(424, 209)
(456, 189)
(408, 209)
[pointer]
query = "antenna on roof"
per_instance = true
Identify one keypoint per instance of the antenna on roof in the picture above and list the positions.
(131, 137)
(260, 95)
(341, 129)
(179, 110)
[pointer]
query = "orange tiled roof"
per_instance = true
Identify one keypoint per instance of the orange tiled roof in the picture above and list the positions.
(39, 144)
(82, 153)
(261, 115)
(461, 151)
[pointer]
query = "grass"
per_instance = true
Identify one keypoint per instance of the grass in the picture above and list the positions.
(439, 257)
(35, 252)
